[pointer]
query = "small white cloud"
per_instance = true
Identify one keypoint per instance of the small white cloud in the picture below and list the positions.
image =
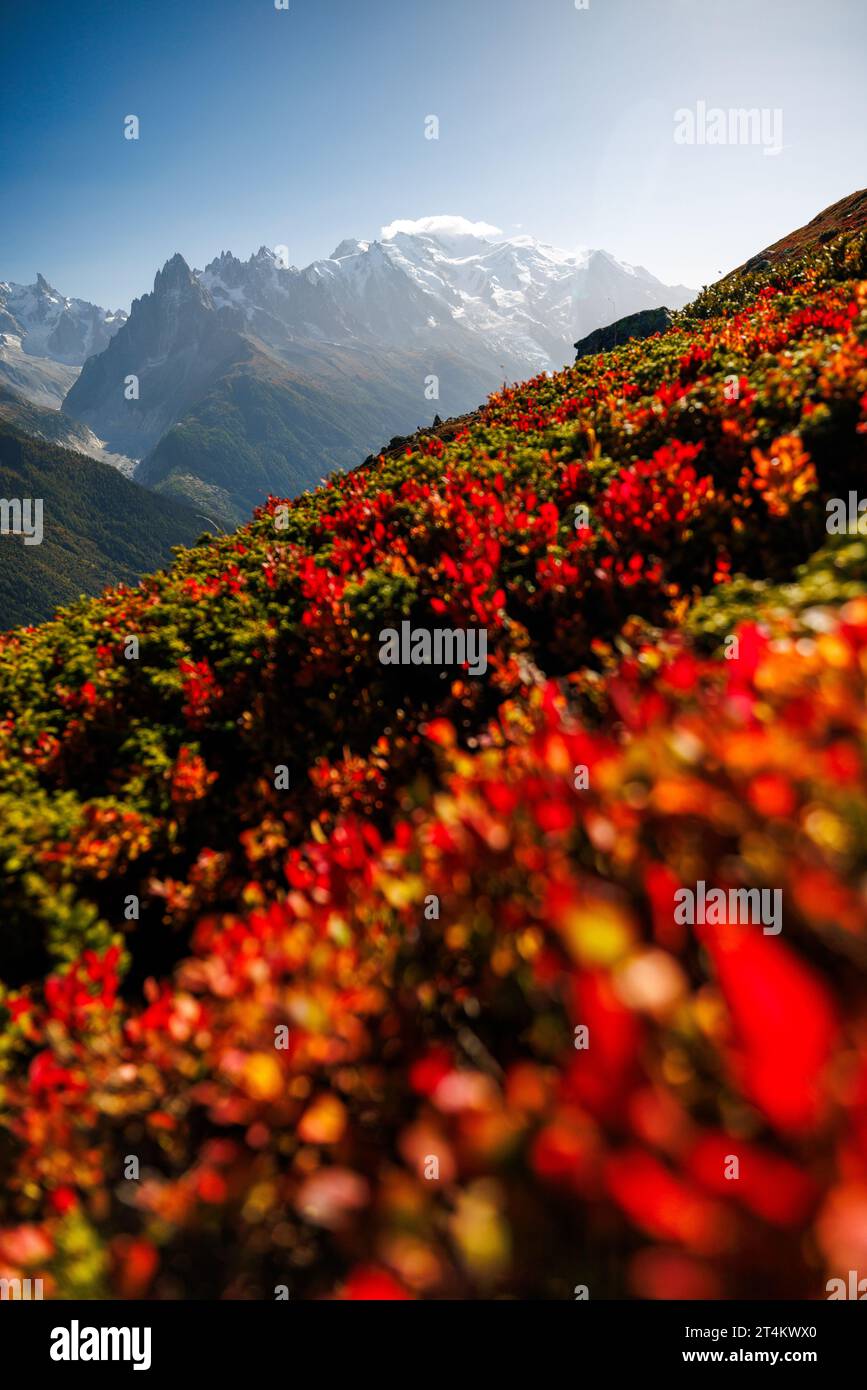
(439, 226)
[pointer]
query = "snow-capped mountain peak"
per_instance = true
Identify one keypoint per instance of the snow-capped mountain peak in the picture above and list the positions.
(46, 323)
(440, 281)
(349, 247)
(527, 299)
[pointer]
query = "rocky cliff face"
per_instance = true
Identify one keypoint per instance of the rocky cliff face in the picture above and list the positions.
(641, 325)
(158, 364)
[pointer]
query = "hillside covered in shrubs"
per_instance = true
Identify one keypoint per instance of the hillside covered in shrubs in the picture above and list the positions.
(297, 947)
(100, 528)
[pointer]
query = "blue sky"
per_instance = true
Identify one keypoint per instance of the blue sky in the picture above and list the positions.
(305, 126)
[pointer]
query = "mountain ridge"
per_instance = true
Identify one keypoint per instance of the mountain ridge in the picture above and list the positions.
(297, 372)
(45, 337)
(53, 325)
(848, 214)
(529, 298)
(100, 528)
